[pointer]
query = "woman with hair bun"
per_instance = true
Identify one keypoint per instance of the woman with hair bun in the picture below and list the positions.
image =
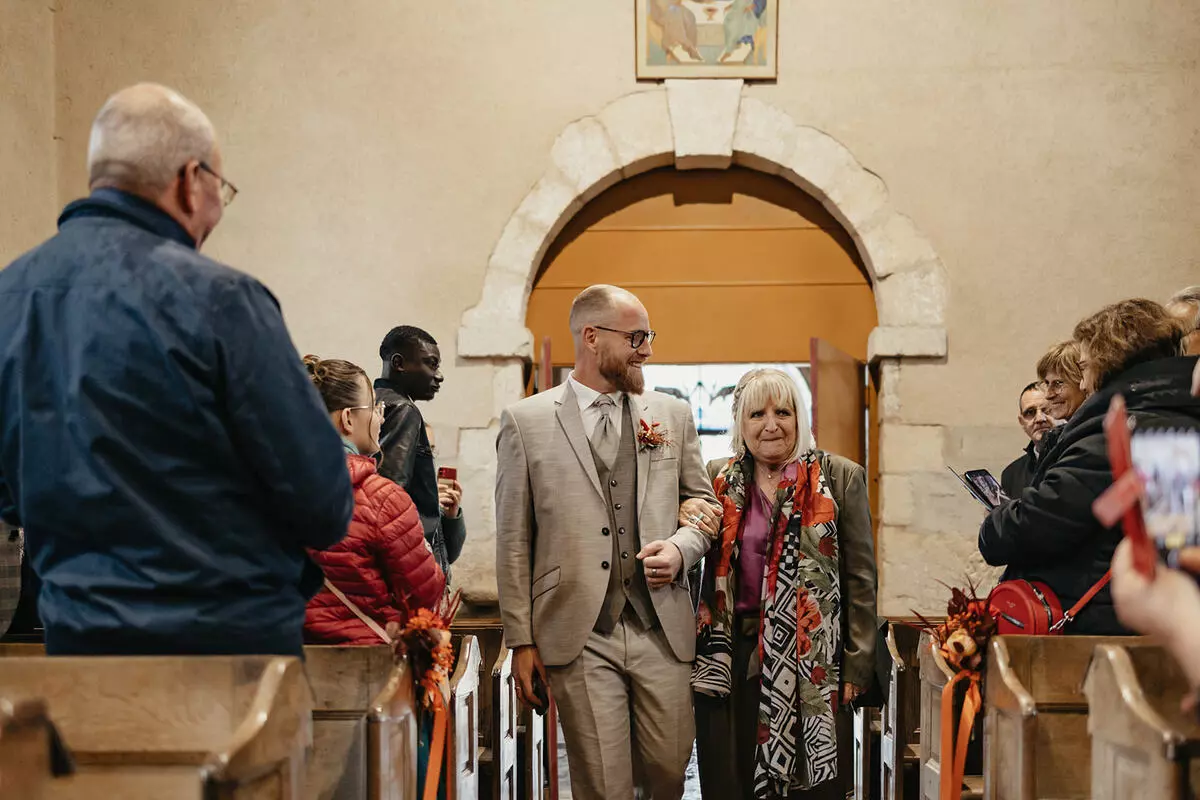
(383, 570)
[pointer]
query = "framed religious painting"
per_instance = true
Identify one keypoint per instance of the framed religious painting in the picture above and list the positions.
(707, 38)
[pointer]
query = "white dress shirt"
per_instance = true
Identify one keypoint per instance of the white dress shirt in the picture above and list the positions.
(591, 412)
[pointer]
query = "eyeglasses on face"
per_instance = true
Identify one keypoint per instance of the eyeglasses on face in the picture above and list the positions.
(1054, 386)
(377, 409)
(228, 190)
(635, 338)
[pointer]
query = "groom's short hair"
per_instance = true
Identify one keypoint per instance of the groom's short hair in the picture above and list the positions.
(596, 304)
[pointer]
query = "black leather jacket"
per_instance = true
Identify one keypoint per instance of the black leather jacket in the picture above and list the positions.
(407, 459)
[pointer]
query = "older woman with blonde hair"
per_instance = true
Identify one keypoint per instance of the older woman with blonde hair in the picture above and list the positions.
(787, 606)
(1060, 375)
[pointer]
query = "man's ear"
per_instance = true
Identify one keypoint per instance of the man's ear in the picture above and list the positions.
(398, 362)
(189, 187)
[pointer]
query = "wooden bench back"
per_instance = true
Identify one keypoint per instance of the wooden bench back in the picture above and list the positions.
(901, 714)
(1143, 745)
(345, 681)
(1035, 732)
(392, 738)
(24, 749)
(168, 726)
(463, 782)
(504, 727)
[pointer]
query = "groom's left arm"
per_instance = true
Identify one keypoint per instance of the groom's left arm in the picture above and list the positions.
(693, 483)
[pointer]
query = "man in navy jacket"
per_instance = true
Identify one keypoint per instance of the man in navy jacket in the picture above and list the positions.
(160, 441)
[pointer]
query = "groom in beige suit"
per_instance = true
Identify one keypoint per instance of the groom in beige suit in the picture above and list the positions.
(591, 561)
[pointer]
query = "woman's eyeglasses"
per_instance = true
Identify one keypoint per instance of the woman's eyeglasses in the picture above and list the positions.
(377, 409)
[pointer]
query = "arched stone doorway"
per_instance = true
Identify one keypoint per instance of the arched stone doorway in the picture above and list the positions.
(712, 125)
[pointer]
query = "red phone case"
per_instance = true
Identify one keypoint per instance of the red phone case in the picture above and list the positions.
(1127, 489)
(449, 473)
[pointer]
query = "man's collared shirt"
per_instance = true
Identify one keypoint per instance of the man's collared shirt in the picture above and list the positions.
(591, 412)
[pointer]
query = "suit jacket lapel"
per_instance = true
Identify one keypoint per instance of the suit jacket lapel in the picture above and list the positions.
(572, 425)
(641, 411)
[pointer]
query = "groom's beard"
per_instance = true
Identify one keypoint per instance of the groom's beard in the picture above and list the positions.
(622, 374)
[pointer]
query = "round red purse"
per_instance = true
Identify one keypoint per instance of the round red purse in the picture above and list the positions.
(1032, 608)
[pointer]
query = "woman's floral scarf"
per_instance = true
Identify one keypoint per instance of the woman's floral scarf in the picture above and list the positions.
(799, 638)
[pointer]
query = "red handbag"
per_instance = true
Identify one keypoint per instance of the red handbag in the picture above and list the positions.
(1032, 608)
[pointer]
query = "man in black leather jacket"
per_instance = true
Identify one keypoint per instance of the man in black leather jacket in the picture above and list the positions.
(411, 372)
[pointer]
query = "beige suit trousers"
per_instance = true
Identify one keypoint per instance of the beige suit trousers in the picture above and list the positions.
(626, 707)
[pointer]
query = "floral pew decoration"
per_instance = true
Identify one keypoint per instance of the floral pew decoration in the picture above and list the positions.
(424, 639)
(961, 643)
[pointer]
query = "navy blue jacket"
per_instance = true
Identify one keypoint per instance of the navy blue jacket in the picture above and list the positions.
(160, 442)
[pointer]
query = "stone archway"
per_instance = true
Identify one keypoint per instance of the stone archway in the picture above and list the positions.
(713, 124)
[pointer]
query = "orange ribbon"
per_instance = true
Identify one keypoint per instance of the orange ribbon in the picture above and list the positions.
(437, 743)
(955, 748)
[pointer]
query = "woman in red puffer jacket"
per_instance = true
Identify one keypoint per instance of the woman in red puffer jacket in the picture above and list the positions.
(384, 565)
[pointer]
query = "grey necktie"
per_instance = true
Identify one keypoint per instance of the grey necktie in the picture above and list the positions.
(604, 437)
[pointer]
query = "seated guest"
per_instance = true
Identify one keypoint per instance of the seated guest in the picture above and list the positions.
(160, 441)
(411, 372)
(1184, 305)
(384, 566)
(1060, 375)
(1048, 532)
(1035, 422)
(795, 552)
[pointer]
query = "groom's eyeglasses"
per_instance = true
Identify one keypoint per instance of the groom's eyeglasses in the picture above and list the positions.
(635, 338)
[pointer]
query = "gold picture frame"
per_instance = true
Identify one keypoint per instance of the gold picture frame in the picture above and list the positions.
(707, 39)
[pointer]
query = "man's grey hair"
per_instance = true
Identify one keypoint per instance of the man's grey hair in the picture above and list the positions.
(143, 136)
(596, 305)
(1191, 298)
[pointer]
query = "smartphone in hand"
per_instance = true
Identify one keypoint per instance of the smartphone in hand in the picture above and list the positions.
(541, 695)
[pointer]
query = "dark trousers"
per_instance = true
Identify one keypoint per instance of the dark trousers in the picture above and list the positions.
(727, 733)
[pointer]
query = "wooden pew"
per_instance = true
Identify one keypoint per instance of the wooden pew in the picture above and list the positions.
(463, 781)
(504, 728)
(532, 754)
(24, 749)
(1142, 744)
(364, 724)
(935, 674)
(898, 744)
(866, 729)
(228, 728)
(1035, 728)
(392, 739)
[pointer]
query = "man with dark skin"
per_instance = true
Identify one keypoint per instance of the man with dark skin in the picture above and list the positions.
(412, 373)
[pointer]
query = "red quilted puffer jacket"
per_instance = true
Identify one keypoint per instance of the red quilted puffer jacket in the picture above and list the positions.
(382, 565)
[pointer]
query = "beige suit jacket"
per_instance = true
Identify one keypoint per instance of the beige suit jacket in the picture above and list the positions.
(551, 514)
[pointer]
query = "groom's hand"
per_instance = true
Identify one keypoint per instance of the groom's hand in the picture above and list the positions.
(662, 562)
(526, 664)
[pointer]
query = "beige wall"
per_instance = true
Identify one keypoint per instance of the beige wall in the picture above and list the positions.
(27, 196)
(1048, 150)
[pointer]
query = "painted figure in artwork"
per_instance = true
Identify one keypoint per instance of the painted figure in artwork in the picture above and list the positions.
(743, 22)
(678, 30)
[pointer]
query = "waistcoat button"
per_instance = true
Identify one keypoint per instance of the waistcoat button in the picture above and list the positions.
(617, 506)
(605, 531)
(604, 565)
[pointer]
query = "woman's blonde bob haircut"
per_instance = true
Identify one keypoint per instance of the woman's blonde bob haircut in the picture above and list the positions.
(755, 391)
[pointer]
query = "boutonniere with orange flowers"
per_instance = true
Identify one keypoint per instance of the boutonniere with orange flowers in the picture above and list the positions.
(651, 436)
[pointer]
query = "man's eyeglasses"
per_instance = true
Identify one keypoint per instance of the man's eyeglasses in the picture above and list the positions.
(636, 338)
(228, 190)
(377, 409)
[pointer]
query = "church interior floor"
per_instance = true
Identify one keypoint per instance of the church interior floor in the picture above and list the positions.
(691, 790)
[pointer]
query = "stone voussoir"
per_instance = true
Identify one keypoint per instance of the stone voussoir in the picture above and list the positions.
(765, 137)
(584, 155)
(704, 116)
(639, 129)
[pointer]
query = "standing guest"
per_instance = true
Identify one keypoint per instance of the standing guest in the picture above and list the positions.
(1060, 374)
(412, 372)
(787, 607)
(590, 560)
(159, 439)
(1049, 533)
(1035, 421)
(1184, 305)
(384, 568)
